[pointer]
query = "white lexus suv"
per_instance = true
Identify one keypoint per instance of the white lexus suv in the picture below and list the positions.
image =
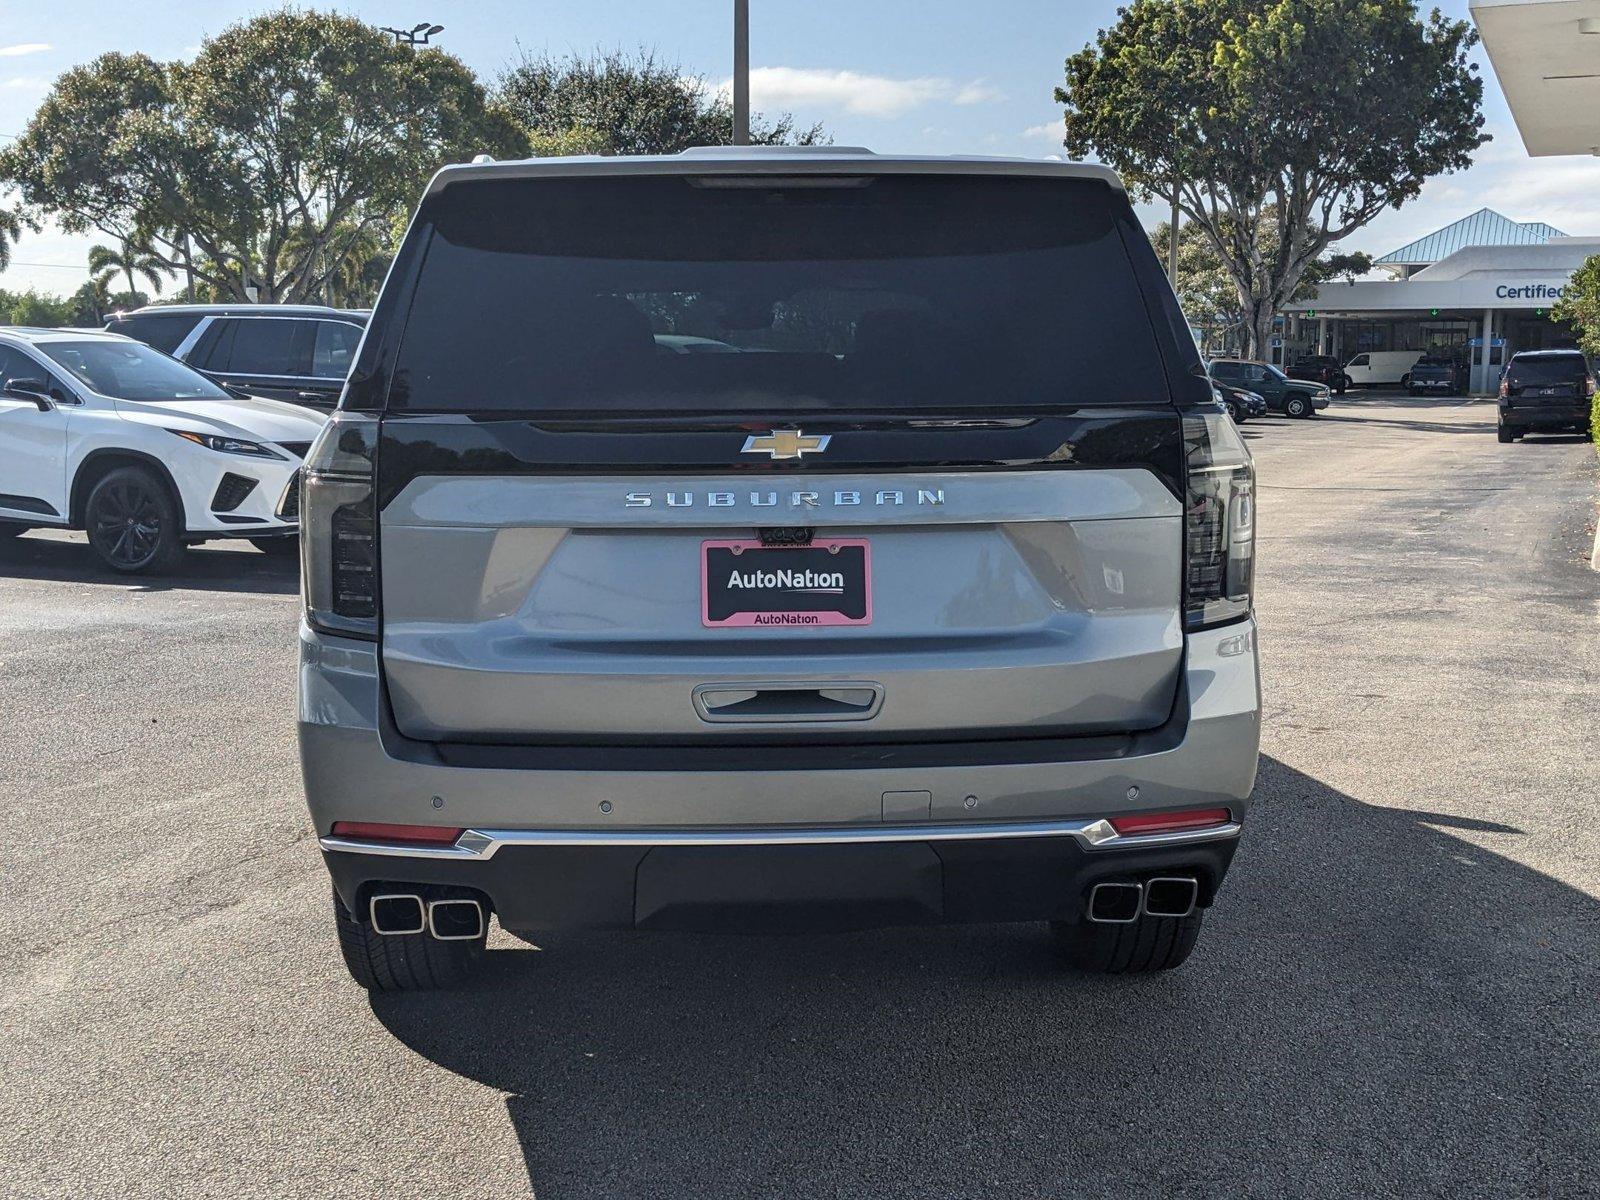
(102, 433)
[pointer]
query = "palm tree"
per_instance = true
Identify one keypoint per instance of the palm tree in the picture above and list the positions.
(131, 260)
(10, 231)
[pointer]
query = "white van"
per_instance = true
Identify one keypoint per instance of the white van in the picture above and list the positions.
(1381, 366)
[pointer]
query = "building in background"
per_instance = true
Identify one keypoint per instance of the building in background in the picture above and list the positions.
(1477, 290)
(1481, 288)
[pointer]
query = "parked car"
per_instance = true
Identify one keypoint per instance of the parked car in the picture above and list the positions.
(105, 434)
(1545, 390)
(1292, 397)
(733, 640)
(1436, 374)
(1241, 404)
(1320, 368)
(1381, 366)
(295, 352)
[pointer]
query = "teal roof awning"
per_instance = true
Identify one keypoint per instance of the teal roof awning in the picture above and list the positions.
(1483, 228)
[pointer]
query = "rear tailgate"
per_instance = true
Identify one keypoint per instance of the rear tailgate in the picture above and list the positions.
(995, 603)
(674, 460)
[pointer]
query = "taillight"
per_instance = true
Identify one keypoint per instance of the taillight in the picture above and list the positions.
(339, 528)
(1174, 822)
(1588, 385)
(1219, 522)
(1505, 387)
(379, 831)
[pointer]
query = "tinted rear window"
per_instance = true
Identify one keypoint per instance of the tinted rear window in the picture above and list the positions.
(910, 292)
(163, 331)
(270, 346)
(1538, 372)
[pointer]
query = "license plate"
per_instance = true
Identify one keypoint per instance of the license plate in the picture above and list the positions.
(746, 584)
(1552, 391)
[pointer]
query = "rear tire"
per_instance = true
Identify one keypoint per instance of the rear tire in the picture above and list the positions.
(1148, 944)
(407, 962)
(133, 522)
(8, 530)
(1503, 434)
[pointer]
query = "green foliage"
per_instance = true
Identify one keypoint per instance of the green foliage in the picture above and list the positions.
(620, 104)
(1313, 114)
(1206, 289)
(1579, 306)
(31, 308)
(249, 165)
(10, 230)
(106, 262)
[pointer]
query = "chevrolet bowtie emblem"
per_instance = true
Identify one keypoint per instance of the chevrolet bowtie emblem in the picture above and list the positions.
(786, 443)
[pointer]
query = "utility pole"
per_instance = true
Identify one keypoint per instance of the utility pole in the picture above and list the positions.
(741, 72)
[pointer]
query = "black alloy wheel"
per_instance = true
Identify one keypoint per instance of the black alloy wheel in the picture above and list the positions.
(132, 521)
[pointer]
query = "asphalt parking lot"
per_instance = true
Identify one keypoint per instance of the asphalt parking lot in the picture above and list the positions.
(1396, 994)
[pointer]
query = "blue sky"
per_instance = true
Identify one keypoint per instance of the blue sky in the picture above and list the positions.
(940, 76)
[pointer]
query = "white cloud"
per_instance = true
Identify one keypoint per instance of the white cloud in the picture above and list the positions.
(30, 83)
(977, 92)
(1050, 131)
(858, 93)
(22, 48)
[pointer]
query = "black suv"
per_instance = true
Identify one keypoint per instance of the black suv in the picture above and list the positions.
(1320, 368)
(1545, 390)
(295, 352)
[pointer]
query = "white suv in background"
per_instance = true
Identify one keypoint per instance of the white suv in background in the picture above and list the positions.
(101, 433)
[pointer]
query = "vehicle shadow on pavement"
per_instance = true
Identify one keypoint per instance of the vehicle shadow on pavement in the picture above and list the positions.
(1377, 1007)
(207, 567)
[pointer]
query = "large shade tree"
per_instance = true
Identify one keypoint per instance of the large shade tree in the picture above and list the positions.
(260, 166)
(1207, 291)
(617, 103)
(1280, 126)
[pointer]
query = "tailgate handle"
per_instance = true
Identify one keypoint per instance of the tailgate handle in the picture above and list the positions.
(785, 701)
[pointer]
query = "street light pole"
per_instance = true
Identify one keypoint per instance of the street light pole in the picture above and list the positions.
(418, 35)
(741, 72)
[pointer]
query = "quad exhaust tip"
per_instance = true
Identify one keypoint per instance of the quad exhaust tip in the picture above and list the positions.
(1122, 902)
(455, 920)
(1115, 903)
(398, 914)
(1171, 895)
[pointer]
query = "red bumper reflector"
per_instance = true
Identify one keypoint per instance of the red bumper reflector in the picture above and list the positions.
(374, 831)
(1194, 818)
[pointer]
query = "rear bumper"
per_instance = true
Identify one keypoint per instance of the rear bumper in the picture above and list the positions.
(658, 840)
(1544, 416)
(783, 888)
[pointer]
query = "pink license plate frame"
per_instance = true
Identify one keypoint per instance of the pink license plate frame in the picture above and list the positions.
(778, 618)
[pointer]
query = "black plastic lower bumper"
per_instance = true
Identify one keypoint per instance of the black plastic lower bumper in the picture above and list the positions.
(790, 887)
(1554, 416)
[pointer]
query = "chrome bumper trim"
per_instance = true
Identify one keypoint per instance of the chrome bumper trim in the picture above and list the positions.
(479, 844)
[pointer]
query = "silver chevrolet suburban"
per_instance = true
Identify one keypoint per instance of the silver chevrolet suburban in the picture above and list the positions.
(918, 591)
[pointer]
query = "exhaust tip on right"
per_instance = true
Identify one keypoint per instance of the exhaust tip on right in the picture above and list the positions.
(1171, 896)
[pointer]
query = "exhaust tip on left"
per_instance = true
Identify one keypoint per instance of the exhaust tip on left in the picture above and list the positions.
(1115, 903)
